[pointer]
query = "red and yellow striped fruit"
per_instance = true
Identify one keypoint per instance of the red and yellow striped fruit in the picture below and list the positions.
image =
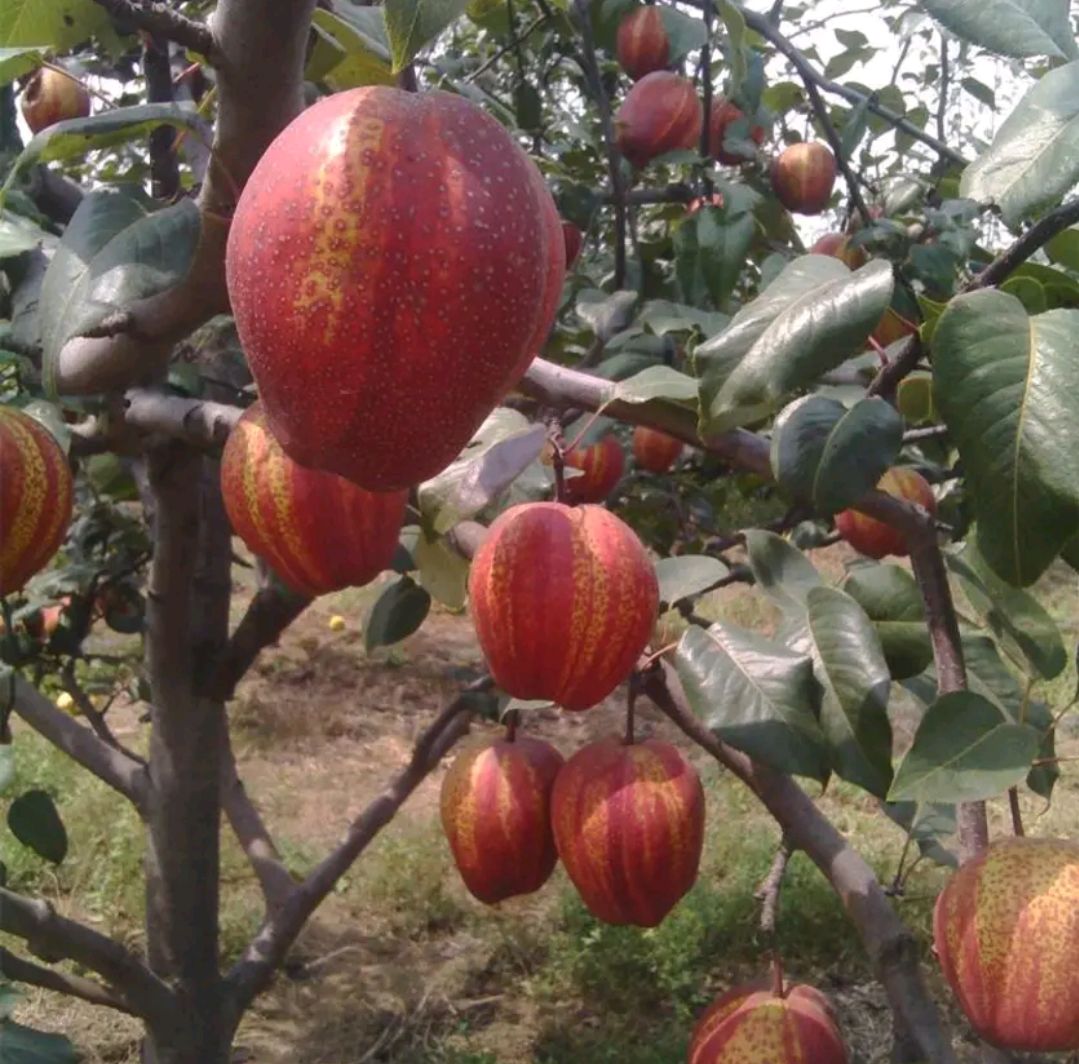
(394, 264)
(874, 538)
(629, 826)
(496, 801)
(52, 96)
(601, 463)
(36, 493)
(659, 114)
(573, 239)
(654, 450)
(722, 115)
(642, 44)
(563, 600)
(1006, 931)
(838, 245)
(752, 1025)
(317, 531)
(803, 176)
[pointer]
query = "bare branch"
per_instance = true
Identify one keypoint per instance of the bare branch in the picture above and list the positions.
(20, 970)
(195, 421)
(768, 892)
(109, 764)
(254, 837)
(1038, 235)
(54, 938)
(164, 20)
(892, 949)
(268, 949)
(270, 612)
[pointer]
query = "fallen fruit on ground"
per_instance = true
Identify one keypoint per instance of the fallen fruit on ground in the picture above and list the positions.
(721, 117)
(495, 806)
(629, 826)
(838, 245)
(601, 464)
(661, 113)
(753, 1025)
(654, 450)
(394, 264)
(319, 532)
(642, 44)
(874, 538)
(36, 491)
(1006, 933)
(52, 96)
(803, 176)
(563, 600)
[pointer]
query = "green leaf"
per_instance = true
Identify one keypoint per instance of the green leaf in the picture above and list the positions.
(504, 446)
(56, 24)
(15, 62)
(1034, 158)
(927, 824)
(528, 106)
(781, 571)
(814, 316)
(399, 610)
(687, 574)
(850, 666)
(830, 456)
(7, 766)
(663, 316)
(19, 234)
(1016, 28)
(363, 59)
(965, 750)
(685, 34)
(656, 382)
(114, 252)
(23, 1045)
(1028, 634)
(980, 91)
(892, 601)
(34, 821)
(710, 251)
(442, 571)
(73, 138)
(1008, 388)
(735, 22)
(413, 24)
(606, 315)
(755, 695)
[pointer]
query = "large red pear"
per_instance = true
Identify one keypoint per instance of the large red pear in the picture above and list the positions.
(394, 264)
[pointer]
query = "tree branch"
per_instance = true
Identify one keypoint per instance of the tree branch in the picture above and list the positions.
(20, 970)
(268, 949)
(590, 67)
(163, 20)
(195, 421)
(54, 938)
(890, 946)
(109, 764)
(254, 837)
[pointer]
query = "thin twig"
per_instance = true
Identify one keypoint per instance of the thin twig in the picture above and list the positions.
(164, 20)
(1016, 812)
(942, 102)
(768, 892)
(505, 49)
(20, 970)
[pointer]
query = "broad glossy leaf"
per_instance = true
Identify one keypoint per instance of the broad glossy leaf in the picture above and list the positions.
(1008, 388)
(442, 571)
(927, 824)
(24, 1045)
(606, 315)
(850, 666)
(687, 574)
(1034, 158)
(684, 32)
(398, 611)
(363, 60)
(413, 24)
(755, 695)
(735, 22)
(504, 446)
(74, 137)
(710, 249)
(58, 24)
(1016, 28)
(34, 821)
(15, 62)
(662, 316)
(1026, 631)
(114, 252)
(965, 750)
(656, 382)
(813, 317)
(830, 456)
(781, 571)
(891, 599)
(19, 234)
